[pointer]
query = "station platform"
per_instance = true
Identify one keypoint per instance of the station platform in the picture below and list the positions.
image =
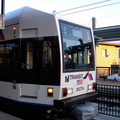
(105, 117)
(108, 82)
(6, 116)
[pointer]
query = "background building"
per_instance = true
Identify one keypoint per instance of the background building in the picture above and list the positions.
(107, 51)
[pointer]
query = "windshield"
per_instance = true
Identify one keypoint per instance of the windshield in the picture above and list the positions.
(77, 47)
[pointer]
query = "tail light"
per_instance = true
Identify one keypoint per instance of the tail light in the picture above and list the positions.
(94, 86)
(64, 92)
(90, 87)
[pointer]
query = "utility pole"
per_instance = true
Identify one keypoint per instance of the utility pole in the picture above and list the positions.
(93, 23)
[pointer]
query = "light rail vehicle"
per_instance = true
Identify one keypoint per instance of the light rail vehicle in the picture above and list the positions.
(46, 62)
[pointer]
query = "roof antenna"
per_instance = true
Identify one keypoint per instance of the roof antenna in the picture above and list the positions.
(54, 12)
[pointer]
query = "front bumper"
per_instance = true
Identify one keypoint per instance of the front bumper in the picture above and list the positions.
(74, 100)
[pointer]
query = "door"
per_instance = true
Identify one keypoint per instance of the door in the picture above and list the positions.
(29, 70)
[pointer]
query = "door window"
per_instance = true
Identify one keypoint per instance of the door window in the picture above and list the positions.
(29, 56)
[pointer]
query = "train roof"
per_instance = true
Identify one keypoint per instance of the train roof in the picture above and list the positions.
(15, 16)
(29, 22)
(26, 18)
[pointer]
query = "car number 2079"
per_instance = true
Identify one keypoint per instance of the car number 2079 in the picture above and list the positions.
(79, 89)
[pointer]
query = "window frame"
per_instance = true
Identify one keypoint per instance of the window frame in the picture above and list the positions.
(92, 49)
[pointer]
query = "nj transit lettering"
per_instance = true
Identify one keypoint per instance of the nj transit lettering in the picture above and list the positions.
(72, 77)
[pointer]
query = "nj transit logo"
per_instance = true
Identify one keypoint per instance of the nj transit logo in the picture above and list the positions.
(90, 77)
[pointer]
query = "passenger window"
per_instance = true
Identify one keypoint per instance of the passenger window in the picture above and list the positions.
(29, 56)
(47, 55)
(3, 59)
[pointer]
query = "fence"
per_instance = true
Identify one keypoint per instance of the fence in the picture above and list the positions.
(108, 100)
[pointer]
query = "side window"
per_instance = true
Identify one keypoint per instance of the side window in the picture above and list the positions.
(29, 55)
(119, 53)
(3, 60)
(9, 60)
(47, 55)
(104, 53)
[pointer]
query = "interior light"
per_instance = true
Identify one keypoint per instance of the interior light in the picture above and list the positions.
(14, 28)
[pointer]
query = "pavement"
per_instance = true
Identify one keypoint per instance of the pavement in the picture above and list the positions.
(105, 117)
(5, 116)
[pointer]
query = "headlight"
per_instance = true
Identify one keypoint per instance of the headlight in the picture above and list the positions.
(67, 91)
(90, 87)
(70, 91)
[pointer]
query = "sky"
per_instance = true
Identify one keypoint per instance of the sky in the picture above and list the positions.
(109, 15)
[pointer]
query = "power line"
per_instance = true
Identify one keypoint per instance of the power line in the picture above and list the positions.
(82, 6)
(89, 22)
(91, 8)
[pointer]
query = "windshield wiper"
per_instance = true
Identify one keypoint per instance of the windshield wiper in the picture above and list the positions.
(81, 41)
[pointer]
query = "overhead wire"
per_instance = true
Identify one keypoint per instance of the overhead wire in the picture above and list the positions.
(82, 6)
(91, 8)
(88, 22)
